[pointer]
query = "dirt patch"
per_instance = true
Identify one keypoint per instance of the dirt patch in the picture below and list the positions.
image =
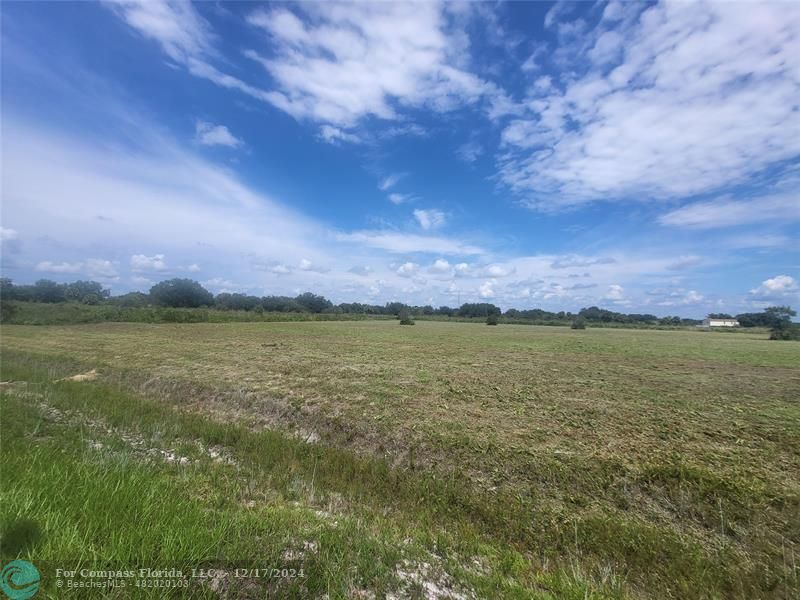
(426, 581)
(88, 376)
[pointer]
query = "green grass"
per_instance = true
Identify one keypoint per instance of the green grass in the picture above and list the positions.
(516, 461)
(84, 470)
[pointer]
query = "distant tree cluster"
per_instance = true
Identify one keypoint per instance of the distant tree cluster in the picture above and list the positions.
(187, 293)
(596, 315)
(44, 290)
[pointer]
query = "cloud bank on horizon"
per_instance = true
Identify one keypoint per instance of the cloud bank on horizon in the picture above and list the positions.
(630, 155)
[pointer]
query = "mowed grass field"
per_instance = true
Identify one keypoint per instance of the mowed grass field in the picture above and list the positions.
(440, 460)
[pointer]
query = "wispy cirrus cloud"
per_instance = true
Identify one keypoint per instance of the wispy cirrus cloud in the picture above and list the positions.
(727, 212)
(678, 100)
(405, 243)
(390, 181)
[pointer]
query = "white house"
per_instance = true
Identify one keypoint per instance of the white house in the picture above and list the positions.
(720, 323)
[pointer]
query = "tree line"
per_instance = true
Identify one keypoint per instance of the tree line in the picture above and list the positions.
(187, 293)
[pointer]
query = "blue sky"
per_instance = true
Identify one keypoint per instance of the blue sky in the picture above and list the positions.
(644, 157)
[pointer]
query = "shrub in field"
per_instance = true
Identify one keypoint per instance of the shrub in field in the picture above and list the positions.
(579, 323)
(7, 311)
(785, 330)
(782, 326)
(174, 315)
(405, 318)
(130, 300)
(492, 319)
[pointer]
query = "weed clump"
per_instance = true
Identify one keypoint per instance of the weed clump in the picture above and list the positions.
(405, 318)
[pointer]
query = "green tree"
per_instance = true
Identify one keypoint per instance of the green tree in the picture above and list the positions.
(6, 288)
(180, 293)
(313, 303)
(49, 291)
(87, 292)
(782, 326)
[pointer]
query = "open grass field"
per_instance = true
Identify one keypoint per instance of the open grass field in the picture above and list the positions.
(440, 460)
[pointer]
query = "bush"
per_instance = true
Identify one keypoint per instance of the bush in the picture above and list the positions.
(492, 319)
(174, 315)
(579, 323)
(7, 311)
(405, 317)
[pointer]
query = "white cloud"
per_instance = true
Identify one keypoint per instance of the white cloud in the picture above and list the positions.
(779, 286)
(725, 212)
(165, 198)
(101, 268)
(405, 243)
(757, 240)
(677, 297)
(193, 268)
(8, 234)
(390, 181)
(469, 152)
(184, 36)
(348, 61)
(486, 290)
(440, 266)
(700, 96)
(396, 198)
(307, 265)
(176, 26)
(557, 12)
(463, 270)
(531, 64)
(607, 48)
(569, 261)
(280, 269)
(209, 134)
(95, 268)
(62, 267)
(361, 270)
(333, 135)
(693, 297)
(140, 280)
(221, 284)
(429, 218)
(615, 292)
(140, 262)
(685, 262)
(408, 269)
(497, 271)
